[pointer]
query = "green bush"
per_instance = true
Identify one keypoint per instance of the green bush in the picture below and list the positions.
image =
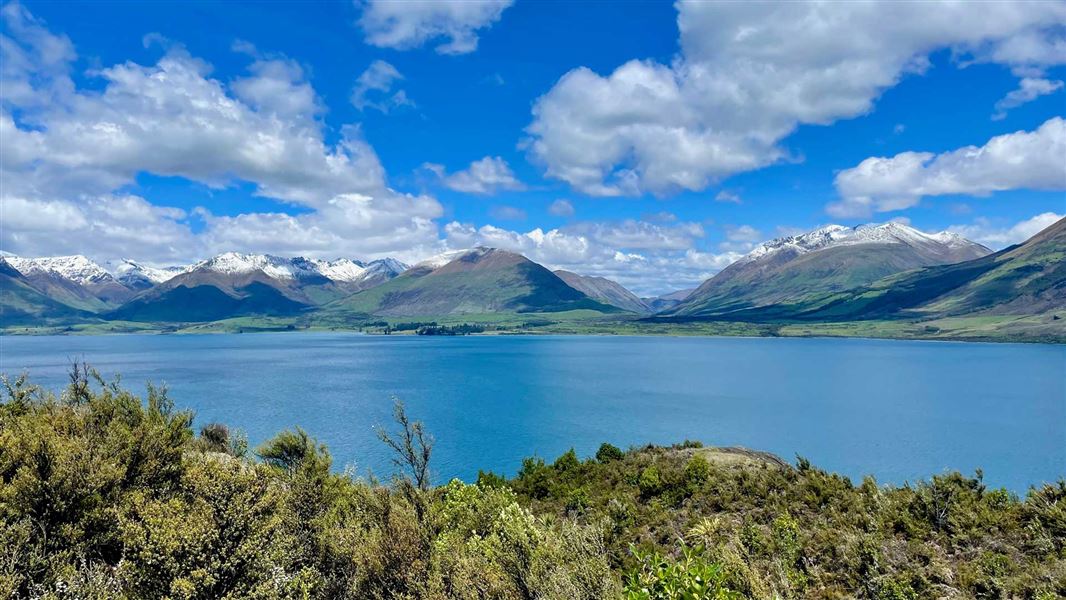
(689, 577)
(107, 495)
(608, 452)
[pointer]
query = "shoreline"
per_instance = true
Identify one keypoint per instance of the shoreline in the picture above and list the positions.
(184, 331)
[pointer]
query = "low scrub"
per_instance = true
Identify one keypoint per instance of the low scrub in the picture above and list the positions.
(104, 494)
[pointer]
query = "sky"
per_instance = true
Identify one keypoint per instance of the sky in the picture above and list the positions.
(647, 142)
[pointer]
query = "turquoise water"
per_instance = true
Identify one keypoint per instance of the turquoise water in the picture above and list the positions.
(897, 410)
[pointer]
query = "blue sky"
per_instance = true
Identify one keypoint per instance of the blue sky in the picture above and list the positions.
(647, 142)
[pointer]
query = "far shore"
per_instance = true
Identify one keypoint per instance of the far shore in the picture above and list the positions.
(1001, 330)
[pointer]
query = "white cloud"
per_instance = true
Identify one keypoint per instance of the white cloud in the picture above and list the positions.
(561, 208)
(106, 226)
(1029, 89)
(648, 259)
(662, 216)
(984, 231)
(411, 23)
(1024, 159)
(373, 88)
(486, 176)
(740, 238)
(275, 86)
(632, 234)
(508, 213)
(749, 73)
(66, 153)
(728, 196)
(398, 225)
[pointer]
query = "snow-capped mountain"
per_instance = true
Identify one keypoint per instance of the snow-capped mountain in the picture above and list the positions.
(826, 260)
(438, 261)
(342, 270)
(73, 280)
(833, 236)
(138, 276)
(236, 284)
(77, 268)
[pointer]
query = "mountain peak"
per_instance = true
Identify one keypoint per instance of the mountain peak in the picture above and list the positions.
(134, 274)
(76, 268)
(871, 233)
(439, 260)
(236, 263)
(343, 270)
(828, 259)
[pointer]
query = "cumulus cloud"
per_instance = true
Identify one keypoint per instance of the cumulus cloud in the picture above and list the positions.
(1029, 89)
(411, 23)
(561, 208)
(740, 238)
(647, 258)
(373, 88)
(486, 177)
(748, 73)
(728, 196)
(984, 231)
(107, 226)
(66, 152)
(1023, 159)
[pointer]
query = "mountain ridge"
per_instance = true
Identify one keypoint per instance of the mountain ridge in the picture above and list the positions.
(604, 290)
(828, 259)
(476, 281)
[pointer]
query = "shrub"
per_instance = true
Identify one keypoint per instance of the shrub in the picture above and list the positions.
(690, 577)
(609, 452)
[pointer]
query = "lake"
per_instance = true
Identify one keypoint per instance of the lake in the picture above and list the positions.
(899, 410)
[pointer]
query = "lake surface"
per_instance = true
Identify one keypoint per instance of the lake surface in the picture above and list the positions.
(898, 410)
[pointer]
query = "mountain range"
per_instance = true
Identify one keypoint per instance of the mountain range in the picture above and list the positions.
(1025, 279)
(831, 259)
(833, 274)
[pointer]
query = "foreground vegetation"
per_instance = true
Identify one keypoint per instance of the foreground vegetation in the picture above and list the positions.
(107, 495)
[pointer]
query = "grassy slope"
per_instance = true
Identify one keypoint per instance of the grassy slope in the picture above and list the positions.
(1029, 279)
(521, 287)
(206, 303)
(747, 286)
(21, 304)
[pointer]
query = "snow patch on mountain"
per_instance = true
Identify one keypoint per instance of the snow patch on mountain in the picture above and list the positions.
(77, 268)
(384, 266)
(341, 270)
(438, 261)
(832, 236)
(130, 272)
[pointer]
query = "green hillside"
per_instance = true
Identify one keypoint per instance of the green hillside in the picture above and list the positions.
(1028, 279)
(795, 269)
(205, 302)
(23, 304)
(604, 290)
(484, 280)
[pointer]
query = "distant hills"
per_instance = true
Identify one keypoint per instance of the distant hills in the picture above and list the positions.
(234, 284)
(889, 273)
(472, 282)
(835, 258)
(23, 304)
(666, 302)
(1026, 279)
(606, 291)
